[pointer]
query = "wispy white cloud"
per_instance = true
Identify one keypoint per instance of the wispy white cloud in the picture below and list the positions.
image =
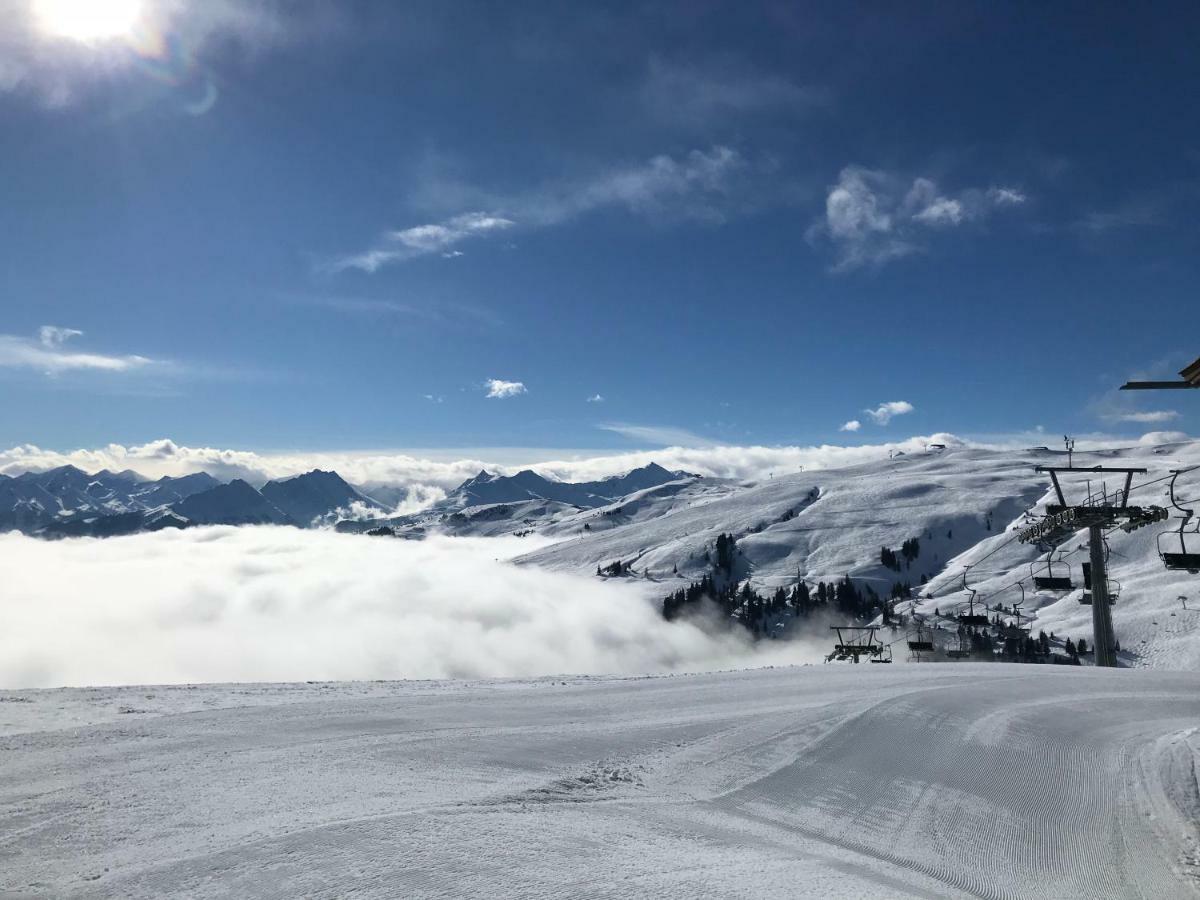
(702, 185)
(47, 354)
(422, 240)
(885, 412)
(698, 185)
(1143, 211)
(704, 95)
(595, 398)
(1149, 417)
(1118, 406)
(852, 425)
(53, 336)
(661, 435)
(1002, 196)
(872, 217)
(442, 313)
(499, 389)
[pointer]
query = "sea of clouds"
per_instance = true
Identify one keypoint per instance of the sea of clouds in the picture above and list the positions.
(223, 604)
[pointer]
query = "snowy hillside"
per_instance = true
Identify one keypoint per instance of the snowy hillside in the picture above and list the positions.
(959, 504)
(819, 525)
(861, 781)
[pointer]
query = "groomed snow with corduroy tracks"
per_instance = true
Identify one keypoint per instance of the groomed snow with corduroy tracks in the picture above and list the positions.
(997, 781)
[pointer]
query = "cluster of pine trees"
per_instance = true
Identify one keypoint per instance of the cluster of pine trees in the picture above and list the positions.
(726, 548)
(742, 606)
(909, 551)
(746, 607)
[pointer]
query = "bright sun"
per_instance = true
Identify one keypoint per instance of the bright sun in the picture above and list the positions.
(87, 20)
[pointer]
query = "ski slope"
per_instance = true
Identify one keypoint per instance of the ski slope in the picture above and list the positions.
(963, 505)
(822, 525)
(852, 781)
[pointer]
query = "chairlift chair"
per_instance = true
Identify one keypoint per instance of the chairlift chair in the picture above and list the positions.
(1049, 581)
(1018, 615)
(1180, 560)
(858, 641)
(971, 617)
(919, 644)
(962, 651)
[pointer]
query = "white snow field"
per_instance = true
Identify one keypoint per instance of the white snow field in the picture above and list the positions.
(1001, 781)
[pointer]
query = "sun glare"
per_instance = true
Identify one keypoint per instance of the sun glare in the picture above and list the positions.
(87, 20)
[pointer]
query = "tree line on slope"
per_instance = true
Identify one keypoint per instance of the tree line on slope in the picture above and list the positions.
(753, 611)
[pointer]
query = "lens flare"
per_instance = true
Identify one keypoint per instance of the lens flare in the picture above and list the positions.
(88, 20)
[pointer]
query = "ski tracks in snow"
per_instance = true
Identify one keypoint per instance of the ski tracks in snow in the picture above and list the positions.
(918, 781)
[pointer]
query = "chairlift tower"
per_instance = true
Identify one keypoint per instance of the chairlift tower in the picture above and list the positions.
(1062, 520)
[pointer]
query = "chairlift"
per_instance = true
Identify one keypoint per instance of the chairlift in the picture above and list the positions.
(919, 645)
(962, 651)
(1180, 560)
(971, 617)
(1016, 610)
(884, 657)
(858, 641)
(1048, 581)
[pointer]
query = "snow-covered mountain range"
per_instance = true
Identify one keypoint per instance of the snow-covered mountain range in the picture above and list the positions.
(69, 502)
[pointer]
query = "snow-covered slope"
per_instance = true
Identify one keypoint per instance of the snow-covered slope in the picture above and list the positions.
(859, 781)
(960, 505)
(822, 525)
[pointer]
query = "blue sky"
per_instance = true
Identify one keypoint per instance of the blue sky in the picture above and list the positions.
(439, 225)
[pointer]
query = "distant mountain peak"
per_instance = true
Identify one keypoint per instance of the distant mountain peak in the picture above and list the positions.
(315, 495)
(235, 503)
(485, 488)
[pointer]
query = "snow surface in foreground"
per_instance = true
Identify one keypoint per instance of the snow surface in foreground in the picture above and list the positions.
(880, 781)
